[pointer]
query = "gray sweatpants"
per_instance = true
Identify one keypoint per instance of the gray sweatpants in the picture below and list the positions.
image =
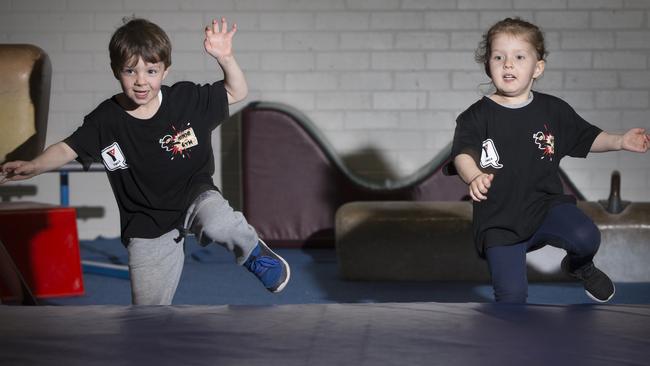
(155, 265)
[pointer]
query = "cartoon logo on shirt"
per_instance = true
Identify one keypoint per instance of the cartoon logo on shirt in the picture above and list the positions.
(179, 142)
(545, 142)
(113, 157)
(489, 155)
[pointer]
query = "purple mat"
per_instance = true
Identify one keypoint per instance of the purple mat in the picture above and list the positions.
(326, 334)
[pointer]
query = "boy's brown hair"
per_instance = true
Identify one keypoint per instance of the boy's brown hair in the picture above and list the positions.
(137, 38)
(513, 26)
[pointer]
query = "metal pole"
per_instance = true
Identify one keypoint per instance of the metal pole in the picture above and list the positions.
(64, 188)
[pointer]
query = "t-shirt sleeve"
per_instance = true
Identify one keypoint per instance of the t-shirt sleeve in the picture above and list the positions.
(214, 99)
(85, 142)
(468, 135)
(578, 134)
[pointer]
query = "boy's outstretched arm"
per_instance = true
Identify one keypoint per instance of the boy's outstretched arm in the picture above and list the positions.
(479, 182)
(53, 157)
(635, 140)
(218, 43)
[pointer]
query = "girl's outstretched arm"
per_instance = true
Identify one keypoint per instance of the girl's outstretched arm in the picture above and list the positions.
(635, 140)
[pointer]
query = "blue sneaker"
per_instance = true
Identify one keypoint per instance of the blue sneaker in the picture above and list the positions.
(269, 267)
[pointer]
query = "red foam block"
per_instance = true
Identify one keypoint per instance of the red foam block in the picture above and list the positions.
(43, 242)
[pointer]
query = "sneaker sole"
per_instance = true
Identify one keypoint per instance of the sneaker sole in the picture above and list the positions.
(286, 280)
(286, 265)
(599, 300)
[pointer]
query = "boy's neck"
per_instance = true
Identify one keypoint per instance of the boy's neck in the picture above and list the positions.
(140, 111)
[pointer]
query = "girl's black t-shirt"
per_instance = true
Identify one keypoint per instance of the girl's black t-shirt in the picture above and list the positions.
(522, 147)
(156, 167)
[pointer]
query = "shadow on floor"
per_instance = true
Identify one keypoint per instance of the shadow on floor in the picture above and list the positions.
(210, 276)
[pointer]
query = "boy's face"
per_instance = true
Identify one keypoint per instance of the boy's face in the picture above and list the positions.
(141, 83)
(514, 67)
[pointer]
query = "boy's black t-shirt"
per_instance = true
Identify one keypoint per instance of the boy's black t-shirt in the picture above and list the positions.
(522, 147)
(156, 167)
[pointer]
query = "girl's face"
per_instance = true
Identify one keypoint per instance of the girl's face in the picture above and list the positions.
(513, 66)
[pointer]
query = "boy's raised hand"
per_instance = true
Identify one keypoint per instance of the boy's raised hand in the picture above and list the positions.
(218, 40)
(636, 140)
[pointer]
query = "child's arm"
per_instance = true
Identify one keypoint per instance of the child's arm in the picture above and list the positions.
(634, 140)
(479, 182)
(218, 43)
(53, 157)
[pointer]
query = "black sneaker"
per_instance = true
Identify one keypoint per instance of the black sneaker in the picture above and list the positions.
(271, 269)
(597, 285)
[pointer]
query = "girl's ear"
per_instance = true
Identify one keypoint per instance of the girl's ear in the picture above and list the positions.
(539, 69)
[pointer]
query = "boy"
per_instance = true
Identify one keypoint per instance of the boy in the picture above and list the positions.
(154, 141)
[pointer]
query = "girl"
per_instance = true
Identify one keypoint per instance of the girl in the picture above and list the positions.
(508, 146)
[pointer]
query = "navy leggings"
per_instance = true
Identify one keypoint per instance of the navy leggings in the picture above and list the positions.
(566, 227)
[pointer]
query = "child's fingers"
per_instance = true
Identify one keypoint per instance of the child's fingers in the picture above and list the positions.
(474, 196)
(486, 182)
(479, 186)
(22, 169)
(212, 28)
(480, 196)
(478, 192)
(224, 25)
(15, 170)
(9, 167)
(7, 176)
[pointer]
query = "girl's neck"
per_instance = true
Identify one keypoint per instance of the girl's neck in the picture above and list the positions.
(512, 102)
(515, 102)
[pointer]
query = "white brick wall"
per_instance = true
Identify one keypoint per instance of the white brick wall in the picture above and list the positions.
(383, 79)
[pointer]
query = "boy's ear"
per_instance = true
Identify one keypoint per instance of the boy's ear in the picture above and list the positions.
(539, 69)
(114, 71)
(165, 72)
